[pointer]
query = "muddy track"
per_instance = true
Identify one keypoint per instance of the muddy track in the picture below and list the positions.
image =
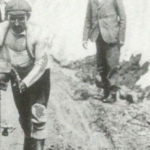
(75, 124)
(69, 122)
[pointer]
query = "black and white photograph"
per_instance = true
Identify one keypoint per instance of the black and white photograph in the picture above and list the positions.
(74, 75)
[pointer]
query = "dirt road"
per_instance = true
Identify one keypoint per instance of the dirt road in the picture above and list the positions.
(68, 120)
(82, 125)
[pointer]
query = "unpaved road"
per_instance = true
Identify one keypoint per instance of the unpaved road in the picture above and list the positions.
(83, 125)
(68, 120)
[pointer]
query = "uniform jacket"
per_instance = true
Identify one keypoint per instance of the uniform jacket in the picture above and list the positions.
(37, 49)
(107, 17)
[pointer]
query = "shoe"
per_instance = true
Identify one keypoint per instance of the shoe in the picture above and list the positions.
(110, 99)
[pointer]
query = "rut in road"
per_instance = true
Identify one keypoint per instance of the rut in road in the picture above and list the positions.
(70, 121)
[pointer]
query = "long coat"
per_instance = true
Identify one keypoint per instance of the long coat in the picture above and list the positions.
(107, 17)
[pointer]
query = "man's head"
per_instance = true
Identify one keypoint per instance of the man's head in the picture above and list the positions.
(18, 12)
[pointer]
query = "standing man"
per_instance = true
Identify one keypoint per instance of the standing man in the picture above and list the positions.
(24, 60)
(105, 24)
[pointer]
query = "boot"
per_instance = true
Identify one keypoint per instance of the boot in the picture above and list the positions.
(110, 99)
(27, 143)
(38, 144)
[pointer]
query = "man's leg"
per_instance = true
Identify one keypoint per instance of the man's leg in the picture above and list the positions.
(27, 143)
(22, 102)
(40, 96)
(33, 144)
(31, 106)
(102, 66)
(38, 144)
(112, 57)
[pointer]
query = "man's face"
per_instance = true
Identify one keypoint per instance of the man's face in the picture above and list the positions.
(17, 22)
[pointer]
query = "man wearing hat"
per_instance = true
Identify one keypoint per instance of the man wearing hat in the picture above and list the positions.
(24, 60)
(105, 24)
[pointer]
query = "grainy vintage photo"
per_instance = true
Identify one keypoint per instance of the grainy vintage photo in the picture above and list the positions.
(74, 75)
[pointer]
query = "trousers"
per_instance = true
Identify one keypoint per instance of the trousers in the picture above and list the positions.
(107, 59)
(32, 104)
